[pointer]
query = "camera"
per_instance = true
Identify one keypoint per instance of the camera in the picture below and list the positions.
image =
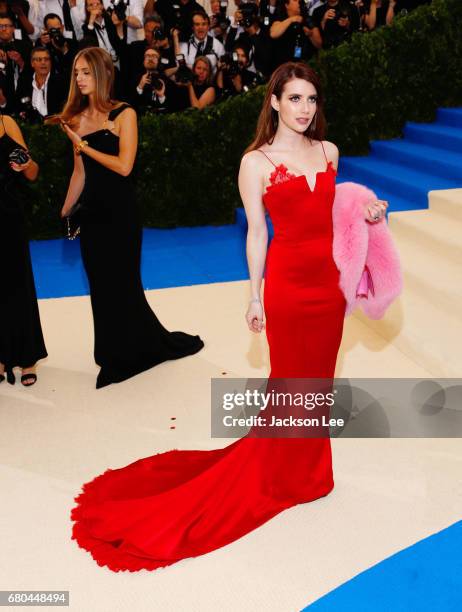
(27, 112)
(159, 34)
(177, 16)
(57, 37)
(341, 13)
(249, 12)
(119, 8)
(221, 20)
(230, 64)
(19, 156)
(183, 74)
(156, 83)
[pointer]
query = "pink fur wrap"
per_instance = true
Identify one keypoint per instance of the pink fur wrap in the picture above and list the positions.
(364, 253)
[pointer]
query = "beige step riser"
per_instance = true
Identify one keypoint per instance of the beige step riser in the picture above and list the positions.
(410, 344)
(430, 242)
(449, 301)
(446, 208)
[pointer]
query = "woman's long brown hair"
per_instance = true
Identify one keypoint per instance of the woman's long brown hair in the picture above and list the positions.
(268, 120)
(102, 70)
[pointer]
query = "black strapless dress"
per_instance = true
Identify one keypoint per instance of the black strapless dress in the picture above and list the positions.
(21, 338)
(129, 338)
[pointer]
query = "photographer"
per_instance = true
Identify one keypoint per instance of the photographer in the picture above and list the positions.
(129, 12)
(62, 50)
(255, 37)
(295, 33)
(19, 12)
(14, 58)
(104, 29)
(177, 14)
(153, 92)
(234, 76)
(201, 91)
(201, 44)
(155, 37)
(43, 93)
(70, 12)
(222, 26)
(336, 20)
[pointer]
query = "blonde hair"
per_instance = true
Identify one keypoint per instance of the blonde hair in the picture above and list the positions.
(205, 60)
(102, 70)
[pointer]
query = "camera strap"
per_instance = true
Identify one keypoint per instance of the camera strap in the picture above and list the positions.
(207, 50)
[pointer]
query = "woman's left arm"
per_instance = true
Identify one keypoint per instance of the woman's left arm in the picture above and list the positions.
(207, 98)
(128, 143)
(30, 169)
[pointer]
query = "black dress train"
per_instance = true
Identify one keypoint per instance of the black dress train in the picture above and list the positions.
(129, 338)
(21, 338)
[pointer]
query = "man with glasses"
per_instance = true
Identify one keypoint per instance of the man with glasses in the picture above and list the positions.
(14, 57)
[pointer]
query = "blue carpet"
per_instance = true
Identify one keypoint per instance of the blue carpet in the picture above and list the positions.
(401, 171)
(171, 258)
(426, 577)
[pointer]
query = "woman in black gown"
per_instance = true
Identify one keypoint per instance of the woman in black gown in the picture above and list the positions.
(128, 336)
(21, 339)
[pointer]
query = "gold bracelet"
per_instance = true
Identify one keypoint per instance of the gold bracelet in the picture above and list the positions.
(79, 146)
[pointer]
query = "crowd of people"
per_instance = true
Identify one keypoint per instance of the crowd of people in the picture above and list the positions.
(169, 55)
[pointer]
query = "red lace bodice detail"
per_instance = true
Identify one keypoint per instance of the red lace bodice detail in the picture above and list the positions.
(281, 175)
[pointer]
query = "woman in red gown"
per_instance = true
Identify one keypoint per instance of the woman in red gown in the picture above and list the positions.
(181, 504)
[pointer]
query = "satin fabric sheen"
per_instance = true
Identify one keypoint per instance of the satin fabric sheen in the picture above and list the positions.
(183, 503)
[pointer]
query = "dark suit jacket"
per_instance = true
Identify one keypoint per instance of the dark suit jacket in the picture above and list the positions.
(56, 92)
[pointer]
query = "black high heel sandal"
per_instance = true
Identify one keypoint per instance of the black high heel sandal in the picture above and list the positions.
(26, 377)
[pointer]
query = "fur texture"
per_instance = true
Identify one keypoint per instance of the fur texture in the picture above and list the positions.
(358, 243)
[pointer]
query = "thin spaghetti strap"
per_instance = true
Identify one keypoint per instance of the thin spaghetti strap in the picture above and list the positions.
(324, 151)
(267, 157)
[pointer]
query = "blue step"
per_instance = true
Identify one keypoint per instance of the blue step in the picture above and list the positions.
(450, 116)
(404, 182)
(395, 203)
(420, 157)
(435, 135)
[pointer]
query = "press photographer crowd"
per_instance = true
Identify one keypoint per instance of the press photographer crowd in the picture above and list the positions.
(169, 55)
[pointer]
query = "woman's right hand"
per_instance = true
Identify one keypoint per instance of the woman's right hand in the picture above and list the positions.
(254, 317)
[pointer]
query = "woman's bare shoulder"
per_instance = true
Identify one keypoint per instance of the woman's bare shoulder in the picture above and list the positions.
(253, 160)
(331, 149)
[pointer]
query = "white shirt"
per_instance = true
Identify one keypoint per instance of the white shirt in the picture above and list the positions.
(56, 6)
(189, 50)
(39, 96)
(134, 9)
(103, 40)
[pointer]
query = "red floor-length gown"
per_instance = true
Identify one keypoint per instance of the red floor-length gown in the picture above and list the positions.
(185, 503)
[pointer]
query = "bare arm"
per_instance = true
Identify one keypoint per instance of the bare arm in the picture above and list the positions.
(75, 186)
(207, 98)
(332, 153)
(391, 12)
(279, 27)
(251, 190)
(30, 169)
(315, 36)
(371, 18)
(128, 142)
